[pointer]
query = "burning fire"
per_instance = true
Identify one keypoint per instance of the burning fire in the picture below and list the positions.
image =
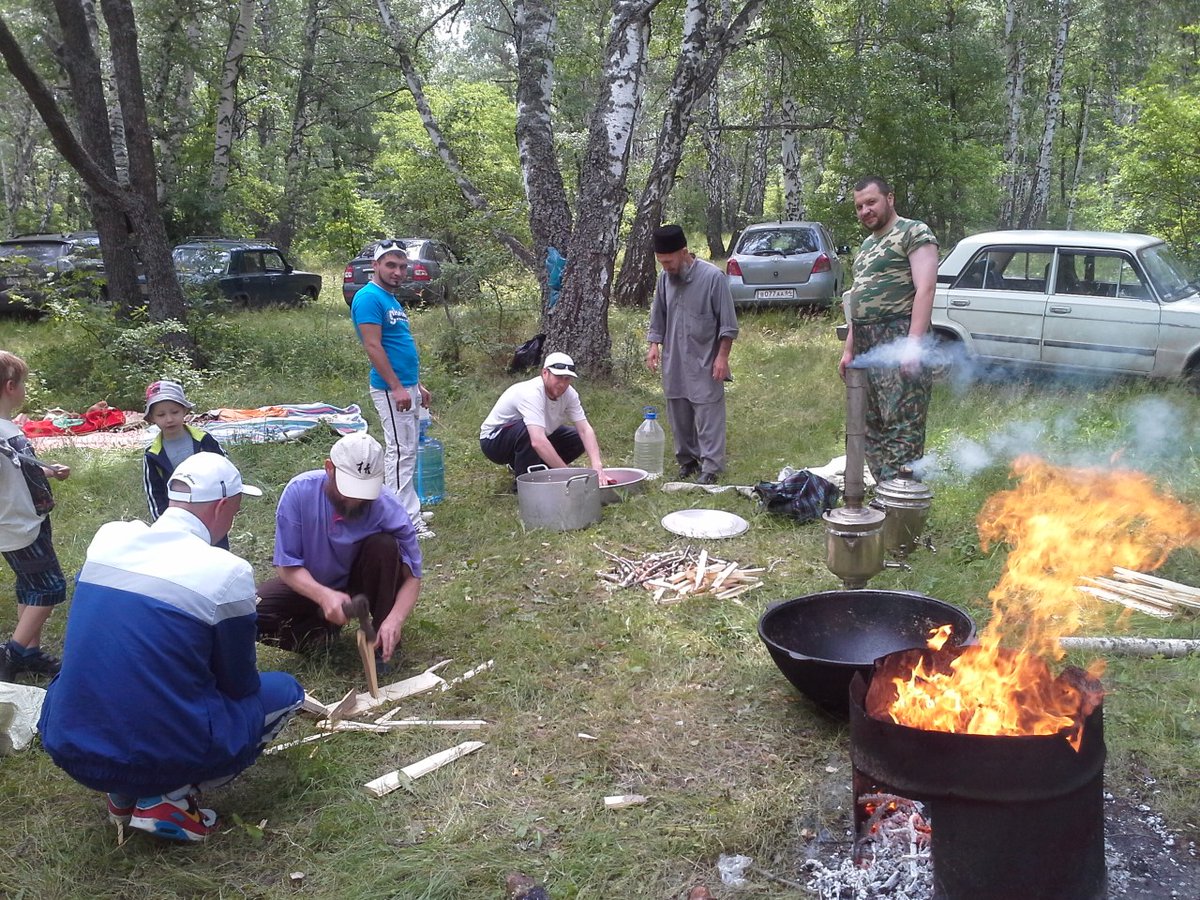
(1061, 525)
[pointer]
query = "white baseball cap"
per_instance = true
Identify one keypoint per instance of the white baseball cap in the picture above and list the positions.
(391, 245)
(166, 390)
(560, 364)
(357, 466)
(209, 476)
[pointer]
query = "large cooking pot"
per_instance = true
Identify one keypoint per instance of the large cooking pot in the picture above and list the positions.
(820, 640)
(559, 499)
(626, 483)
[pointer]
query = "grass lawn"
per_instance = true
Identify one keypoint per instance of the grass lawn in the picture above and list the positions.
(684, 702)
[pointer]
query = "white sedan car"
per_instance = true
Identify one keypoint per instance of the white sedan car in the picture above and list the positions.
(1084, 300)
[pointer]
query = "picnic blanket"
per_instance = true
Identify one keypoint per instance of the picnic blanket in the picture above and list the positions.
(283, 422)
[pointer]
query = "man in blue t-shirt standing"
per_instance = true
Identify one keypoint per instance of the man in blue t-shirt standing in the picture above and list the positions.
(383, 328)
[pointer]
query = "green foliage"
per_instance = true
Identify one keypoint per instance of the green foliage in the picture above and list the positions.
(338, 220)
(1158, 163)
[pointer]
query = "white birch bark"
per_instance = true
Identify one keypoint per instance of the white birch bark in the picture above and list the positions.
(1014, 99)
(1080, 150)
(1039, 200)
(231, 73)
(756, 188)
(793, 182)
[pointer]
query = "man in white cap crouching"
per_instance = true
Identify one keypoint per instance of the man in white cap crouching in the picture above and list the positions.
(527, 426)
(340, 531)
(160, 697)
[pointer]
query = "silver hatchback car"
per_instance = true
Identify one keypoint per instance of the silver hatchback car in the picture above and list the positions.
(786, 263)
(1085, 300)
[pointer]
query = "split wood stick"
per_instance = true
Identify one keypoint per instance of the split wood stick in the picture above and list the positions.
(1171, 648)
(461, 724)
(312, 705)
(1133, 590)
(367, 653)
(701, 567)
(1130, 602)
(657, 583)
(725, 573)
(344, 725)
(344, 707)
(621, 801)
(734, 592)
(1161, 582)
(469, 674)
(754, 571)
(385, 784)
(1136, 588)
(275, 748)
(356, 704)
(658, 595)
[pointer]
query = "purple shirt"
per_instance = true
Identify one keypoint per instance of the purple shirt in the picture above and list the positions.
(309, 532)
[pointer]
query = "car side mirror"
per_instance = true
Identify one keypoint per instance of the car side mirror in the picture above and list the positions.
(287, 268)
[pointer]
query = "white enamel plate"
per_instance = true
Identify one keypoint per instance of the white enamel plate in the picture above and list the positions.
(704, 523)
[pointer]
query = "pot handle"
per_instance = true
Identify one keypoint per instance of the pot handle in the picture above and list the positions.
(537, 467)
(567, 484)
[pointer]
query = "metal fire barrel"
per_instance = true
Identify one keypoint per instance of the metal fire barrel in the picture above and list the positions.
(1011, 816)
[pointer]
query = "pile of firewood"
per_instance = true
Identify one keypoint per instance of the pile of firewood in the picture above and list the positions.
(1147, 594)
(676, 574)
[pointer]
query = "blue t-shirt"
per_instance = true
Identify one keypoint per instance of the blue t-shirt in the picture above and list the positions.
(374, 306)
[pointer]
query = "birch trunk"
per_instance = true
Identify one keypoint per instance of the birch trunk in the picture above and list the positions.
(793, 182)
(716, 181)
(550, 221)
(756, 185)
(579, 323)
(231, 73)
(1039, 199)
(445, 152)
(1014, 99)
(286, 229)
(1085, 105)
(695, 71)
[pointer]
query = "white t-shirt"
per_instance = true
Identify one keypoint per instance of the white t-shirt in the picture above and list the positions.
(527, 401)
(19, 524)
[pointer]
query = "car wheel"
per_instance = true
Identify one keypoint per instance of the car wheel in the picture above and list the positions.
(240, 301)
(309, 296)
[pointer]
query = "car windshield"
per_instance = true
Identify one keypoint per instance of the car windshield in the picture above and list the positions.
(200, 260)
(39, 252)
(778, 241)
(1169, 274)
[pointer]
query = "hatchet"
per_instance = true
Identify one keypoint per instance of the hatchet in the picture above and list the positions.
(358, 608)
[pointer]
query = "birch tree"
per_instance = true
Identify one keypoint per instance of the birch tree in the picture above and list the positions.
(231, 73)
(1014, 105)
(1039, 197)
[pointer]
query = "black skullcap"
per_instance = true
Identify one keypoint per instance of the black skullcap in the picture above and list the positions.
(669, 238)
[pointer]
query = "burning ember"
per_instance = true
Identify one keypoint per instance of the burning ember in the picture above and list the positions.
(1061, 524)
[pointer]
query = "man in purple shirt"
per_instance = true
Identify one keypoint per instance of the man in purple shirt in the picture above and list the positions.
(339, 532)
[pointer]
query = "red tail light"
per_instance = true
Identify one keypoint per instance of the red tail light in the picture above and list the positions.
(821, 264)
(348, 275)
(732, 268)
(419, 272)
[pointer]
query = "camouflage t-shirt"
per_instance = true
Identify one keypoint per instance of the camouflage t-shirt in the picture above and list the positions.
(883, 285)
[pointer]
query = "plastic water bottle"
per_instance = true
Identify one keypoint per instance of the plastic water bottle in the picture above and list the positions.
(649, 444)
(431, 474)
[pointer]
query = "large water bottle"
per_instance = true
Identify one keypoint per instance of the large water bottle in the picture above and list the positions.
(431, 475)
(649, 444)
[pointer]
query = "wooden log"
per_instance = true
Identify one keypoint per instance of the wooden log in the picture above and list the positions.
(385, 784)
(1170, 648)
(621, 801)
(1132, 603)
(1161, 582)
(367, 654)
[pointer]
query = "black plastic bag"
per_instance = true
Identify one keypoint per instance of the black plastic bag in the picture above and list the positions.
(528, 355)
(802, 495)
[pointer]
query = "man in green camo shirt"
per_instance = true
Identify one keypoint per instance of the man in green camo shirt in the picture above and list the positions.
(888, 308)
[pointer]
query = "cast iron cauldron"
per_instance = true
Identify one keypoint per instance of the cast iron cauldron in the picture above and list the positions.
(820, 640)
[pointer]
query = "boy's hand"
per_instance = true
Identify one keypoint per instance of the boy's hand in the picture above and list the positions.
(57, 470)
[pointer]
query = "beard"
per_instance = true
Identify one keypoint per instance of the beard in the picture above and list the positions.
(344, 506)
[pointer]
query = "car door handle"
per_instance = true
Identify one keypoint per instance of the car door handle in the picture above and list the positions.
(1060, 309)
(960, 302)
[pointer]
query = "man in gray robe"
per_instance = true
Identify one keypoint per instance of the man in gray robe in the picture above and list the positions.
(692, 327)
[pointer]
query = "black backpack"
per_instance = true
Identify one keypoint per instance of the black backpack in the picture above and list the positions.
(802, 495)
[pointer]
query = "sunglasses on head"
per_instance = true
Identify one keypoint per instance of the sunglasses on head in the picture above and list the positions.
(570, 367)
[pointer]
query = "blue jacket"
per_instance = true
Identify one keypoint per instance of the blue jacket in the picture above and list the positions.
(157, 467)
(159, 685)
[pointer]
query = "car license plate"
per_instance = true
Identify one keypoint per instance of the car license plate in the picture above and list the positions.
(776, 294)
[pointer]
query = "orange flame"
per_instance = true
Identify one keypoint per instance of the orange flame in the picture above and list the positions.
(1061, 525)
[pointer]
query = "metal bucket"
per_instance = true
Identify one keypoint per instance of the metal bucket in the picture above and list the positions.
(626, 483)
(559, 499)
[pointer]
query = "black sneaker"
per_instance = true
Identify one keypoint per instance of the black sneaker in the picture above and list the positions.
(707, 478)
(35, 662)
(687, 470)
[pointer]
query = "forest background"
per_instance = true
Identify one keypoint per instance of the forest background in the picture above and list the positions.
(505, 128)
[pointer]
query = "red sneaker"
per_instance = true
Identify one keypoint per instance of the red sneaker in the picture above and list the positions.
(175, 820)
(120, 809)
